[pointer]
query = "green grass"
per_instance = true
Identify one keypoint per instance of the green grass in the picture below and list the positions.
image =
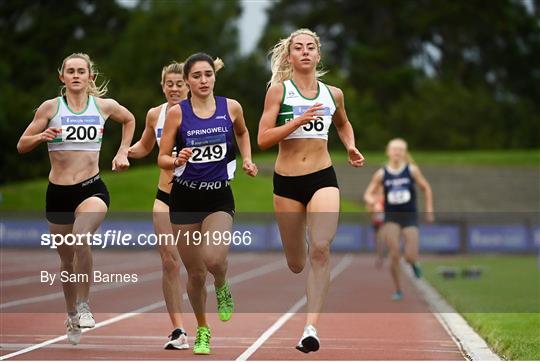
(135, 190)
(442, 158)
(503, 305)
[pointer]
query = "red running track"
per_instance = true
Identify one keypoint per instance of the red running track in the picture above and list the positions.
(360, 321)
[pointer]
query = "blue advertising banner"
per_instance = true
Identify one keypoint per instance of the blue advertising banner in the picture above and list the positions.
(22, 232)
(348, 238)
(497, 238)
(433, 238)
(274, 239)
(535, 231)
(439, 238)
(253, 236)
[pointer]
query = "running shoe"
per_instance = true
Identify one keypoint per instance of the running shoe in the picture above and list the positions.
(73, 330)
(397, 296)
(177, 340)
(416, 270)
(225, 303)
(202, 341)
(86, 319)
(309, 342)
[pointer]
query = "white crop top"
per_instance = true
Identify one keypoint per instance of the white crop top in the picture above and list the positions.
(294, 104)
(80, 131)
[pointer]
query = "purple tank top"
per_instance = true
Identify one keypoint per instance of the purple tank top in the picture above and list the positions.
(211, 140)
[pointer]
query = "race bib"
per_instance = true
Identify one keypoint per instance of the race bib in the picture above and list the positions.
(81, 129)
(399, 196)
(315, 126)
(207, 149)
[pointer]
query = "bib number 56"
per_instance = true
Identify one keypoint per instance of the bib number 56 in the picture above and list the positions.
(317, 125)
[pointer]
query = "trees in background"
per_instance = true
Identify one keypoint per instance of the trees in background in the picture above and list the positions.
(442, 74)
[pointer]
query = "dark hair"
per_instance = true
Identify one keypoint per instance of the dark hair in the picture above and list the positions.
(201, 57)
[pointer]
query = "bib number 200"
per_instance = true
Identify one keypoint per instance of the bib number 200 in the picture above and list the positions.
(80, 133)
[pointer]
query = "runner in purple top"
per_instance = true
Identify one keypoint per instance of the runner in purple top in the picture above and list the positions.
(202, 203)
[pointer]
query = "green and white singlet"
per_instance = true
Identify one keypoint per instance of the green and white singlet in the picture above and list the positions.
(81, 131)
(294, 104)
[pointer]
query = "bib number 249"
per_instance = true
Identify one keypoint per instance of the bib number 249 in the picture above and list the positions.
(208, 153)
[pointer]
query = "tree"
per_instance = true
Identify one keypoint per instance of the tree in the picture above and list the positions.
(386, 49)
(34, 39)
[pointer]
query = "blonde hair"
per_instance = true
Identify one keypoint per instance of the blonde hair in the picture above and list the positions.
(93, 89)
(408, 157)
(174, 68)
(281, 68)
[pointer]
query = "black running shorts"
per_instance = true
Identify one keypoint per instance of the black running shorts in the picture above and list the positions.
(192, 202)
(62, 200)
(302, 188)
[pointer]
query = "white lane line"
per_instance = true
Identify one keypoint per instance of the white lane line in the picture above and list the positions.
(42, 298)
(340, 267)
(34, 279)
(250, 274)
(112, 266)
(469, 342)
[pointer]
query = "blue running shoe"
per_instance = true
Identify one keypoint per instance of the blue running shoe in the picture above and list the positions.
(416, 270)
(397, 296)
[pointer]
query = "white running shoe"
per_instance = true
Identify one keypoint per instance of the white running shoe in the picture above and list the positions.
(178, 340)
(73, 330)
(86, 319)
(309, 342)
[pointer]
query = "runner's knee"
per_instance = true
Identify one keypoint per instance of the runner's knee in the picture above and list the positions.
(197, 277)
(296, 266)
(319, 254)
(170, 265)
(216, 264)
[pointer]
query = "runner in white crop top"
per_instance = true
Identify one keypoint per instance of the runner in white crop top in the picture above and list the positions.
(77, 199)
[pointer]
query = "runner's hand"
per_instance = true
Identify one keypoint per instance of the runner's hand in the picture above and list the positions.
(355, 158)
(430, 217)
(183, 157)
(120, 162)
(250, 168)
(309, 115)
(49, 134)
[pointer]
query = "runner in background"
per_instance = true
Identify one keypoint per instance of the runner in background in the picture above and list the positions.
(398, 179)
(175, 90)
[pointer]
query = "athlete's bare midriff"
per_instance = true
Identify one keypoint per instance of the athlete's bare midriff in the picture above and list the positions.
(302, 156)
(73, 167)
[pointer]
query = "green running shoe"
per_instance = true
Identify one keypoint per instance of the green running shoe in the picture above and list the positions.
(202, 341)
(225, 303)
